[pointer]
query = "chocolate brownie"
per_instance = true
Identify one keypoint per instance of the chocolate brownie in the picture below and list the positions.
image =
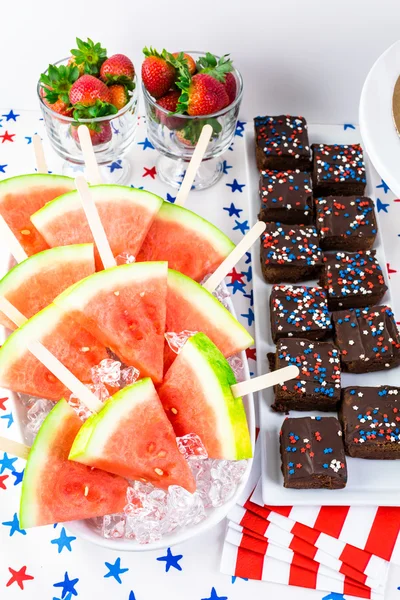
(346, 223)
(317, 387)
(282, 143)
(312, 453)
(370, 418)
(338, 170)
(290, 253)
(299, 311)
(352, 280)
(367, 338)
(286, 196)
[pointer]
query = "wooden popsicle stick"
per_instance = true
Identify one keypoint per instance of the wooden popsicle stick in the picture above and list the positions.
(92, 168)
(194, 164)
(14, 448)
(95, 224)
(11, 241)
(52, 363)
(233, 258)
(264, 381)
(41, 165)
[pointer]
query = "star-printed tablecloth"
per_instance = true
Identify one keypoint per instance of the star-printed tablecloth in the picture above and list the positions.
(50, 563)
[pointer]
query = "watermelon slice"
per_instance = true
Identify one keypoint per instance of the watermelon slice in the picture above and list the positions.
(21, 196)
(126, 214)
(54, 489)
(125, 308)
(132, 437)
(196, 395)
(75, 347)
(35, 282)
(188, 242)
(191, 307)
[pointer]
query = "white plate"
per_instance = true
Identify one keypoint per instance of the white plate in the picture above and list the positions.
(378, 132)
(369, 482)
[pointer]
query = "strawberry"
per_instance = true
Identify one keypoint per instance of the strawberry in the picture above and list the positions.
(87, 89)
(81, 67)
(201, 94)
(101, 134)
(230, 86)
(189, 61)
(169, 102)
(158, 74)
(89, 56)
(56, 84)
(119, 96)
(221, 70)
(118, 69)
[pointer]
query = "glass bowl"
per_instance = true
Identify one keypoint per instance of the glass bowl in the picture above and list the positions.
(169, 135)
(117, 135)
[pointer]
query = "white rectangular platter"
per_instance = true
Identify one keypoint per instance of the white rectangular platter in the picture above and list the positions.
(370, 482)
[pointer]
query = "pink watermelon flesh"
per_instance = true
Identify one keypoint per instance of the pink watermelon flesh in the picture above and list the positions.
(56, 489)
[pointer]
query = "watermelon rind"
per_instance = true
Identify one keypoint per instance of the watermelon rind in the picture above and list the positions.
(200, 299)
(25, 182)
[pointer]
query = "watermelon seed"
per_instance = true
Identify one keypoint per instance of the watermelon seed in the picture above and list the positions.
(25, 232)
(174, 410)
(86, 490)
(143, 479)
(159, 471)
(151, 447)
(162, 454)
(50, 377)
(141, 294)
(116, 293)
(85, 349)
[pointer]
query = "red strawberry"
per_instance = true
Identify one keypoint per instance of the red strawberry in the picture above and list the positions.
(201, 95)
(87, 89)
(100, 134)
(59, 106)
(56, 84)
(221, 70)
(158, 75)
(72, 63)
(169, 102)
(230, 86)
(119, 96)
(117, 69)
(189, 60)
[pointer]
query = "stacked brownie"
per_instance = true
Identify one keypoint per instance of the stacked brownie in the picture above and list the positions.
(320, 226)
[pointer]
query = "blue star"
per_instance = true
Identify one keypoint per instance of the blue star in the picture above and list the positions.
(14, 526)
(11, 116)
(137, 188)
(214, 596)
(235, 186)
(115, 165)
(243, 227)
(248, 258)
(131, 596)
(333, 596)
(18, 476)
(348, 126)
(67, 597)
(68, 586)
(250, 296)
(233, 211)
(171, 560)
(146, 144)
(225, 167)
(170, 198)
(248, 274)
(384, 186)
(231, 147)
(115, 130)
(28, 139)
(234, 578)
(114, 570)
(236, 286)
(0, 123)
(64, 541)
(241, 124)
(7, 463)
(249, 316)
(10, 419)
(3, 168)
(381, 206)
(239, 132)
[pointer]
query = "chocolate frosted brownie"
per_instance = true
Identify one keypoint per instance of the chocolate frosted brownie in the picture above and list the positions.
(318, 385)
(367, 338)
(290, 253)
(286, 196)
(370, 418)
(346, 223)
(312, 453)
(338, 170)
(352, 280)
(282, 143)
(299, 311)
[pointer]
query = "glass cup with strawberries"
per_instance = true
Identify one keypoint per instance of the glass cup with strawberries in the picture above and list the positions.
(89, 88)
(182, 93)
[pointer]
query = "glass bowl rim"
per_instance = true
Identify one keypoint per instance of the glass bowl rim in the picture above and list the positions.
(71, 120)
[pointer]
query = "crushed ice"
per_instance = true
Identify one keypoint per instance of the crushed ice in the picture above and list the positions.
(176, 341)
(125, 258)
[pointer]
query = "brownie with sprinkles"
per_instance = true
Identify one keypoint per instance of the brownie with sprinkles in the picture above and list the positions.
(338, 170)
(370, 418)
(346, 223)
(317, 387)
(282, 143)
(368, 339)
(299, 311)
(352, 280)
(312, 453)
(290, 253)
(286, 196)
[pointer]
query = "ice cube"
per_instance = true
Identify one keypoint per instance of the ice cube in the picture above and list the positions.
(38, 410)
(107, 372)
(125, 258)
(114, 526)
(176, 341)
(144, 532)
(129, 375)
(191, 446)
(221, 291)
(98, 389)
(237, 366)
(184, 508)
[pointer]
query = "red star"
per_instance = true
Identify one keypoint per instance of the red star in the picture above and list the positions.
(251, 353)
(235, 276)
(19, 577)
(151, 172)
(7, 137)
(2, 480)
(390, 270)
(2, 401)
(397, 200)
